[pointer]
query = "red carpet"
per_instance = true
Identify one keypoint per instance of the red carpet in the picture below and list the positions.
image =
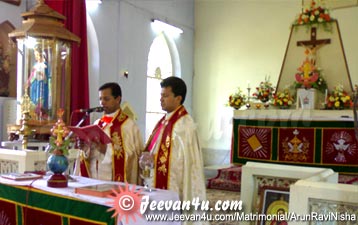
(230, 179)
(227, 179)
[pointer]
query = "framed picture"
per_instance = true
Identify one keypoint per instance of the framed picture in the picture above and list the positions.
(274, 201)
(14, 2)
(7, 61)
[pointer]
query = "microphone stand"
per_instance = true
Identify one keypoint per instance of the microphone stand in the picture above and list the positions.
(84, 117)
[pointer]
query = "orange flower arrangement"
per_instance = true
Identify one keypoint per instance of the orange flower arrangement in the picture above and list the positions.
(315, 14)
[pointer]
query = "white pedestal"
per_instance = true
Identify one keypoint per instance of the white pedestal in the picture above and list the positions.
(307, 99)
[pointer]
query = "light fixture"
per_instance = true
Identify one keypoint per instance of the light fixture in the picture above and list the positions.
(162, 26)
(92, 5)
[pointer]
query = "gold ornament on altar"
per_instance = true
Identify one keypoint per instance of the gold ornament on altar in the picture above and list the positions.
(296, 149)
(58, 142)
(25, 130)
(309, 76)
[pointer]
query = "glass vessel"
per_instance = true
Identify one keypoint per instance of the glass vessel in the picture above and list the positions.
(146, 163)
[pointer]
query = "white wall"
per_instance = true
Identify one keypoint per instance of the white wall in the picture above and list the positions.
(240, 41)
(124, 38)
(12, 12)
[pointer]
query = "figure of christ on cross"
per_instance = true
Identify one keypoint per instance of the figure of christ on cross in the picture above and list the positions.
(313, 44)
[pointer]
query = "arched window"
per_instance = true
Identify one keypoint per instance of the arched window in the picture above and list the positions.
(159, 67)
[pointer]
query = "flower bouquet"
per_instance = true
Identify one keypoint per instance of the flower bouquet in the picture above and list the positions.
(316, 13)
(237, 99)
(264, 91)
(338, 99)
(283, 99)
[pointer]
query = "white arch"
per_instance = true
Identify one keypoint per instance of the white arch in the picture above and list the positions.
(174, 55)
(153, 110)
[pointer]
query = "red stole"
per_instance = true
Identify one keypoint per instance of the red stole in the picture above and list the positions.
(118, 156)
(162, 158)
(84, 165)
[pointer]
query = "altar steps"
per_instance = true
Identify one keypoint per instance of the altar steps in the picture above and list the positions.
(228, 177)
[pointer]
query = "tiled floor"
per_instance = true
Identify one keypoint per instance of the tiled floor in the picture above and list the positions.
(214, 195)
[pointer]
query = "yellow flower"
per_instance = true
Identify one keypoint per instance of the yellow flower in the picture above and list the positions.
(336, 104)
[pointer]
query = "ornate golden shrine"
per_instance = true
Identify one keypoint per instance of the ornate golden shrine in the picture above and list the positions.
(44, 67)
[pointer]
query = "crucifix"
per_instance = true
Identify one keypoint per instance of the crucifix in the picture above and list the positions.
(313, 44)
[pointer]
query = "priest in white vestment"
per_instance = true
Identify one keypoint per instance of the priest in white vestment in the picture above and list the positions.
(174, 143)
(118, 160)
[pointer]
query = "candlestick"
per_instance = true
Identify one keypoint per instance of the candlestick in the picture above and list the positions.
(248, 98)
(325, 96)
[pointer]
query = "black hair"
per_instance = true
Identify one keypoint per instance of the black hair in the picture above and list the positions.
(115, 89)
(178, 86)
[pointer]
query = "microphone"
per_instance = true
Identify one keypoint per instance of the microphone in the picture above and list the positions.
(95, 109)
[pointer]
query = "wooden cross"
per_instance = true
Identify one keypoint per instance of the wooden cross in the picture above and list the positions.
(313, 42)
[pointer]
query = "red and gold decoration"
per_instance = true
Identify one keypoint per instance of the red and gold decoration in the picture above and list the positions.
(339, 99)
(318, 143)
(297, 145)
(25, 130)
(162, 157)
(58, 162)
(254, 142)
(309, 76)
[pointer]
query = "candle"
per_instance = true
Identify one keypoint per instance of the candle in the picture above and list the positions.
(325, 96)
(248, 84)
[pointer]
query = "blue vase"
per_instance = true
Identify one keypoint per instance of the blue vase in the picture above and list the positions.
(57, 164)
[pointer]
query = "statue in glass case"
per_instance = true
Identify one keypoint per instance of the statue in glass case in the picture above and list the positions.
(39, 84)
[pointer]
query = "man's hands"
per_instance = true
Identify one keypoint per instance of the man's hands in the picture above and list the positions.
(86, 146)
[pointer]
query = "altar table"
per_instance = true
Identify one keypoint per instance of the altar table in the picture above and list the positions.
(33, 203)
(324, 138)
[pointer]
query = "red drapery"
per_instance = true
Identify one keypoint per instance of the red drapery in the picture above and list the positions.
(75, 13)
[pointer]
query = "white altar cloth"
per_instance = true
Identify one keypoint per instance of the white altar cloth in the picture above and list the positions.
(295, 114)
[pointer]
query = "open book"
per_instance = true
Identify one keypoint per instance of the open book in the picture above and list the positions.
(21, 176)
(91, 133)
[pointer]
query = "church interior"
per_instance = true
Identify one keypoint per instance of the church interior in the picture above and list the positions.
(272, 90)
